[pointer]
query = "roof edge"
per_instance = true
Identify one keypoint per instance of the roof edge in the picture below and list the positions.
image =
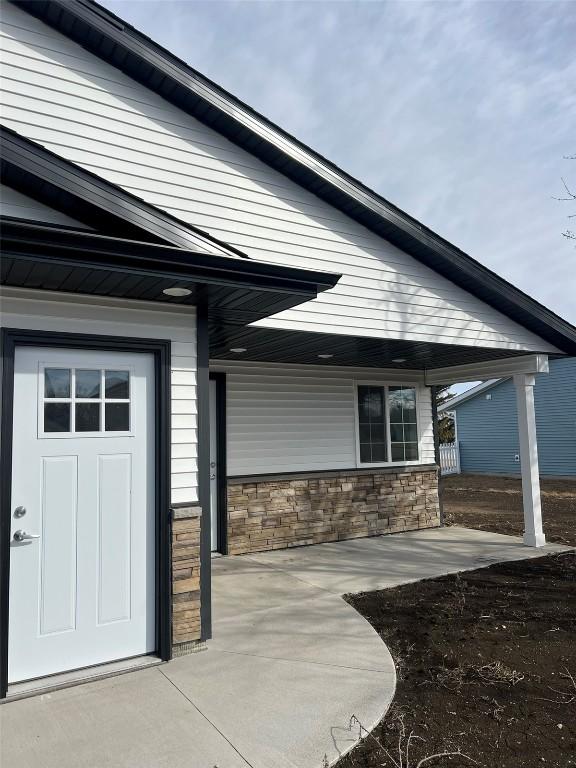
(222, 111)
(38, 161)
(23, 238)
(457, 400)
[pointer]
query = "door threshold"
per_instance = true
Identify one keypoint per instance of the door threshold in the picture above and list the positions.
(41, 685)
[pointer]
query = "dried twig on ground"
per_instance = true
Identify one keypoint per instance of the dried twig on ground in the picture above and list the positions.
(495, 672)
(566, 697)
(405, 740)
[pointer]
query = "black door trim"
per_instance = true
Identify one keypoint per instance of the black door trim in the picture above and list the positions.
(222, 501)
(160, 349)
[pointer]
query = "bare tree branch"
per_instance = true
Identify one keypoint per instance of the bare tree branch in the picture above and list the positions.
(571, 198)
(571, 195)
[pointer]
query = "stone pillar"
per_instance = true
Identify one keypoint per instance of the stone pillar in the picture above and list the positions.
(185, 580)
(533, 533)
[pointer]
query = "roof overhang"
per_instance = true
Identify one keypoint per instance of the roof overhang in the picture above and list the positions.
(110, 38)
(283, 346)
(39, 173)
(235, 291)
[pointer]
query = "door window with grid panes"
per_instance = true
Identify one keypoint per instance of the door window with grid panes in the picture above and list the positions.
(89, 401)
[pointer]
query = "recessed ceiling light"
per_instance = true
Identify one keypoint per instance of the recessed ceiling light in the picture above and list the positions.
(238, 350)
(398, 359)
(176, 291)
(325, 357)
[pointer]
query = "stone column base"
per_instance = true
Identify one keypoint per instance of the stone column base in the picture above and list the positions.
(185, 579)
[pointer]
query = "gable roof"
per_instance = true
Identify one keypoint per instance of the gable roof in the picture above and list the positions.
(457, 400)
(124, 47)
(36, 171)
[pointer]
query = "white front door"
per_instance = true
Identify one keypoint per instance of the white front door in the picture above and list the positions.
(82, 586)
(213, 466)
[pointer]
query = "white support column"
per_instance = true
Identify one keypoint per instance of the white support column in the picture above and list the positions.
(533, 534)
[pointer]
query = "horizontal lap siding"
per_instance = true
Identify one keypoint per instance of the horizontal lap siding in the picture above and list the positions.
(19, 206)
(50, 312)
(290, 418)
(555, 403)
(488, 429)
(61, 96)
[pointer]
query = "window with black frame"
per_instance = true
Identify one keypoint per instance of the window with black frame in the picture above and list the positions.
(387, 424)
(403, 424)
(373, 438)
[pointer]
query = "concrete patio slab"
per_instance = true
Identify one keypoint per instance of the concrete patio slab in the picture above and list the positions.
(317, 629)
(138, 720)
(243, 581)
(289, 664)
(363, 565)
(283, 714)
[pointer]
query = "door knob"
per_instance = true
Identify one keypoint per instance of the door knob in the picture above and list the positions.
(21, 535)
(212, 476)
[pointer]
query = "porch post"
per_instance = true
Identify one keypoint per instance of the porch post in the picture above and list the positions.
(533, 534)
(203, 424)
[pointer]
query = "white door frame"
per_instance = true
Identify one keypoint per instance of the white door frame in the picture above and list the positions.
(160, 349)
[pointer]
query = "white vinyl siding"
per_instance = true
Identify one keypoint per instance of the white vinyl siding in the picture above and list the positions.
(41, 310)
(59, 95)
(19, 206)
(301, 418)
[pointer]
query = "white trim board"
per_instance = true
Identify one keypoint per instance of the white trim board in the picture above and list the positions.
(492, 369)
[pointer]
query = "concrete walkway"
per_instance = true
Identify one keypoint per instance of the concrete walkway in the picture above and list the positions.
(289, 664)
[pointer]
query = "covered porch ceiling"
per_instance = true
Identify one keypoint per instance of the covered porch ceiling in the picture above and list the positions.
(234, 292)
(282, 346)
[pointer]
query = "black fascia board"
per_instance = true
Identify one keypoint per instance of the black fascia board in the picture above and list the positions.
(41, 164)
(124, 47)
(35, 242)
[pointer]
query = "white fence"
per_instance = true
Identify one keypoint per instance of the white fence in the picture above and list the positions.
(450, 459)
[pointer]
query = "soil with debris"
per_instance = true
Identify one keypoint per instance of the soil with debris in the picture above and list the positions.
(494, 503)
(486, 664)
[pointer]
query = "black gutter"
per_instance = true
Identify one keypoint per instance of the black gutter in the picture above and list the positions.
(112, 39)
(37, 243)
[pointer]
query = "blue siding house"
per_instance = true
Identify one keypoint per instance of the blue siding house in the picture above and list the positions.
(487, 427)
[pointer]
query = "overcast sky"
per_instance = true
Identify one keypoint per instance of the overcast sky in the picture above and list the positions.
(459, 113)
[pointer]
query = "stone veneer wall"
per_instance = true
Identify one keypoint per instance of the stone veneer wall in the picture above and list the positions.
(185, 579)
(288, 511)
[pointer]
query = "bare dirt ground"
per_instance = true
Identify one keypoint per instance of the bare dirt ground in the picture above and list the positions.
(494, 503)
(486, 664)
(486, 659)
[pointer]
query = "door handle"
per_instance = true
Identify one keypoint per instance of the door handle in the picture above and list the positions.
(21, 535)
(213, 477)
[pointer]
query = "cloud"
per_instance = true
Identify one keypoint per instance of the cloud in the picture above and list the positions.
(460, 113)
